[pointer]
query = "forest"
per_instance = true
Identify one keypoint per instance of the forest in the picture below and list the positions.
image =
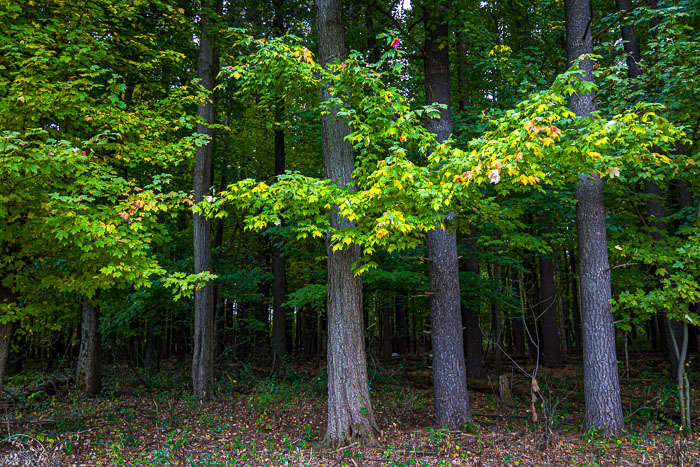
(349, 232)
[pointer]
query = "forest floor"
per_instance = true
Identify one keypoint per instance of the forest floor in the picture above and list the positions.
(142, 419)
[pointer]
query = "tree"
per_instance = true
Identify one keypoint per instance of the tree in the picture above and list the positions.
(279, 281)
(71, 130)
(88, 372)
(451, 399)
(603, 408)
(204, 343)
(350, 413)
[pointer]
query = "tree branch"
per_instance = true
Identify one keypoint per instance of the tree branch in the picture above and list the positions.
(402, 30)
(620, 15)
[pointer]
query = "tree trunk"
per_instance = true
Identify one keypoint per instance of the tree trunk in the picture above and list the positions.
(5, 338)
(261, 329)
(451, 399)
(517, 320)
(630, 44)
(471, 316)
(152, 358)
(497, 323)
(203, 357)
(551, 352)
(603, 409)
(387, 305)
(279, 312)
(279, 273)
(575, 305)
(350, 414)
(88, 373)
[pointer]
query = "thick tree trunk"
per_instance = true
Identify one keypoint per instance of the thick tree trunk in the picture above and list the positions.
(451, 399)
(203, 357)
(603, 409)
(88, 373)
(551, 352)
(350, 414)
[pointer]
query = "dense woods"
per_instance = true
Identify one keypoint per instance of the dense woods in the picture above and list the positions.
(367, 231)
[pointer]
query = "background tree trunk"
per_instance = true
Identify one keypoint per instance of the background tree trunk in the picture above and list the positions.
(350, 414)
(387, 307)
(88, 373)
(471, 314)
(451, 400)
(279, 273)
(5, 338)
(551, 352)
(203, 356)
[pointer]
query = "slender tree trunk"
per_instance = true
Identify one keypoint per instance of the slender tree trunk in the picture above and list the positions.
(88, 373)
(350, 414)
(471, 316)
(603, 409)
(279, 311)
(261, 331)
(655, 209)
(6, 330)
(561, 285)
(551, 352)
(517, 319)
(497, 323)
(371, 32)
(630, 44)
(575, 304)
(203, 357)
(451, 400)
(152, 359)
(387, 306)
(402, 331)
(279, 273)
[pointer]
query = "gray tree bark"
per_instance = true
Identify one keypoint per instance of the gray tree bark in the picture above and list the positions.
(350, 414)
(88, 372)
(603, 409)
(203, 356)
(451, 400)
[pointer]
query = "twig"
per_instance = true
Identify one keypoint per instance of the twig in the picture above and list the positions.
(620, 15)
(402, 30)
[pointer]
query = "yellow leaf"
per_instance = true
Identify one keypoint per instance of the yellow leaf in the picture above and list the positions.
(181, 10)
